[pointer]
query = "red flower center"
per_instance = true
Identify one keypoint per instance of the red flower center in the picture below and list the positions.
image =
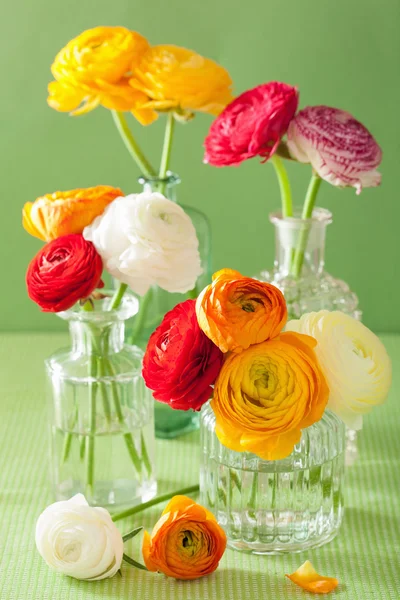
(59, 256)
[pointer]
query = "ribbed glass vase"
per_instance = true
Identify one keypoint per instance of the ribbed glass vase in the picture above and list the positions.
(101, 413)
(274, 507)
(170, 423)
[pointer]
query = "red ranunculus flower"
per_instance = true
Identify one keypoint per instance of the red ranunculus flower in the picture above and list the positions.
(252, 125)
(63, 272)
(181, 362)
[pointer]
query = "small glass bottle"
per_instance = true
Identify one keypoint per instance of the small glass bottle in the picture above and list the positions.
(101, 413)
(274, 507)
(170, 423)
(309, 287)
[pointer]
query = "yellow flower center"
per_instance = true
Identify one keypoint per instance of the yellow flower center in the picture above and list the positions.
(190, 543)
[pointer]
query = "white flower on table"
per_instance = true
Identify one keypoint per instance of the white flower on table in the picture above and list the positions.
(146, 239)
(354, 361)
(79, 540)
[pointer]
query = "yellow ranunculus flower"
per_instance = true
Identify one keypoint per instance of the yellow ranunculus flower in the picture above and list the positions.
(94, 68)
(354, 361)
(267, 394)
(62, 213)
(175, 78)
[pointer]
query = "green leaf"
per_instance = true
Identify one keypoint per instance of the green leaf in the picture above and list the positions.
(131, 534)
(132, 562)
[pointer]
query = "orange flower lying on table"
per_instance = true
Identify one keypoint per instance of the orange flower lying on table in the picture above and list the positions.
(267, 394)
(186, 543)
(93, 69)
(307, 578)
(236, 312)
(179, 79)
(62, 213)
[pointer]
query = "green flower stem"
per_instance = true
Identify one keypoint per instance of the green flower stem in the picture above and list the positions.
(140, 316)
(82, 447)
(166, 151)
(90, 439)
(87, 307)
(253, 496)
(132, 145)
(254, 489)
(119, 293)
(140, 507)
(145, 454)
(68, 437)
(306, 215)
(103, 390)
(128, 439)
(284, 186)
(66, 447)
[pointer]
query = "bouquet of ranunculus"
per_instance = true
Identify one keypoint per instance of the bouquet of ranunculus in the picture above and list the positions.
(142, 240)
(339, 148)
(267, 383)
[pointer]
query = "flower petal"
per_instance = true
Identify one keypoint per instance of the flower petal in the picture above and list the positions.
(307, 578)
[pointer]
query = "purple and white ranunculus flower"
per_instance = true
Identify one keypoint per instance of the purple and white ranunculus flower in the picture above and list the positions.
(79, 540)
(340, 149)
(146, 239)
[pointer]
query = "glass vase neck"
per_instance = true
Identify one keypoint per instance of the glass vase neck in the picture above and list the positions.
(99, 332)
(166, 186)
(289, 233)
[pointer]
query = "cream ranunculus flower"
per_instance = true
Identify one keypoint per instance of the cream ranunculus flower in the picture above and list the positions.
(354, 361)
(145, 239)
(78, 540)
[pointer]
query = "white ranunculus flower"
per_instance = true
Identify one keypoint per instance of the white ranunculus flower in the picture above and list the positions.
(354, 361)
(78, 540)
(145, 239)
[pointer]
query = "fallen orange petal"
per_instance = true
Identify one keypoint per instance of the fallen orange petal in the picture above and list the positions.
(307, 578)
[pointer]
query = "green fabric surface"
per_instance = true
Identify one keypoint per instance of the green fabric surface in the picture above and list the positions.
(364, 557)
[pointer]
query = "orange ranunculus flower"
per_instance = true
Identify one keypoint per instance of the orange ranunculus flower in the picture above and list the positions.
(62, 213)
(267, 394)
(236, 312)
(307, 578)
(175, 78)
(94, 68)
(186, 543)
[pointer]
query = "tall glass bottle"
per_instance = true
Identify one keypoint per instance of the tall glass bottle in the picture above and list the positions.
(170, 423)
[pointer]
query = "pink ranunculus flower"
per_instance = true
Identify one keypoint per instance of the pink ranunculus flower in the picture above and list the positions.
(340, 149)
(252, 125)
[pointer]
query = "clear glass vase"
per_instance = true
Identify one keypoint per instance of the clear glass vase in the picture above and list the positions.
(273, 507)
(170, 423)
(301, 276)
(101, 413)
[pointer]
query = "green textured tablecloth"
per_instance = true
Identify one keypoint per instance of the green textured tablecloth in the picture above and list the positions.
(365, 557)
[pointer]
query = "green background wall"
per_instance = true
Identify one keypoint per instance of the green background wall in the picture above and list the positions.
(344, 53)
